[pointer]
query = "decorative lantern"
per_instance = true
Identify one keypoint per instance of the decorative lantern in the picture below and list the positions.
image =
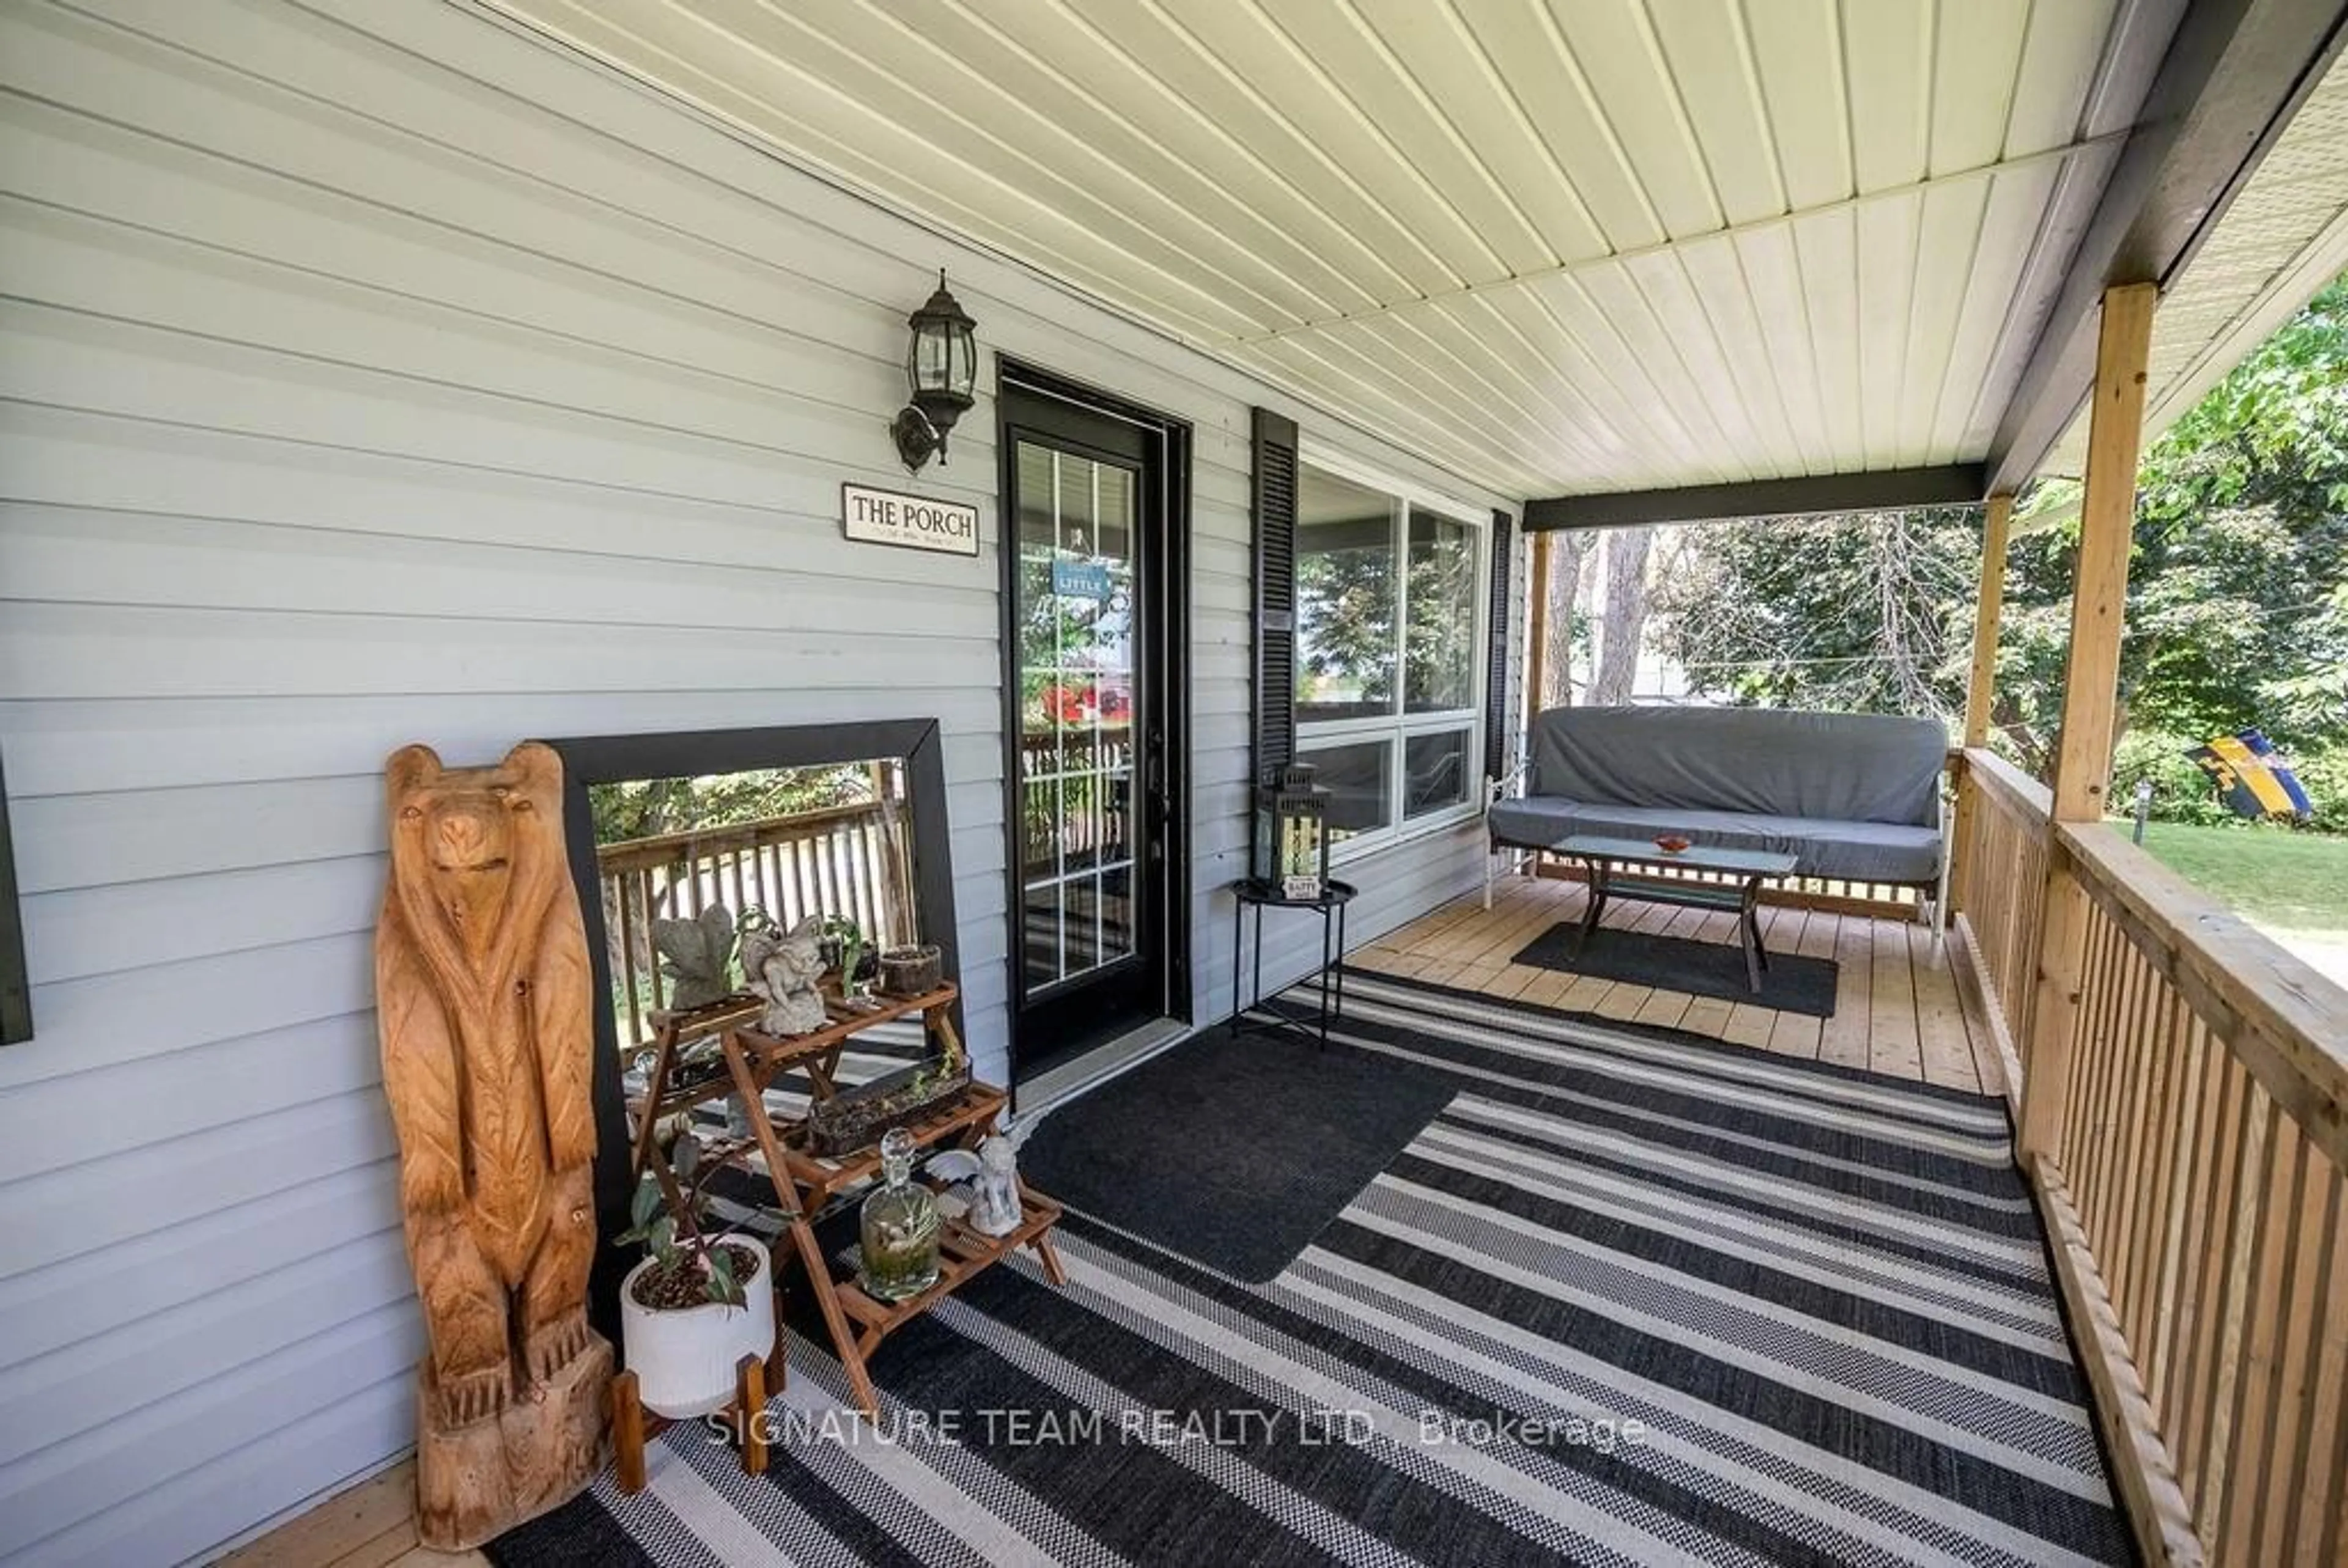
(1292, 833)
(941, 369)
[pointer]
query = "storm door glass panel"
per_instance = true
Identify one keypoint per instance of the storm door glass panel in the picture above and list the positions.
(1077, 690)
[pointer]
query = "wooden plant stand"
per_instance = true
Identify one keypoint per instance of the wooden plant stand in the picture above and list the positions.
(807, 1183)
(633, 1426)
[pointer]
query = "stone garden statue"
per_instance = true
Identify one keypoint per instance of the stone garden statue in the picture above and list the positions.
(783, 968)
(992, 1172)
(696, 956)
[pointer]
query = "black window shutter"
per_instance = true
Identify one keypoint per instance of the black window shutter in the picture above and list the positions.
(1495, 680)
(1275, 592)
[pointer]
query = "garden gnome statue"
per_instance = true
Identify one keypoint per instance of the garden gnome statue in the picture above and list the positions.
(784, 968)
(482, 1001)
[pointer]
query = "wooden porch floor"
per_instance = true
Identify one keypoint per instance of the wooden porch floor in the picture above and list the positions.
(1897, 1003)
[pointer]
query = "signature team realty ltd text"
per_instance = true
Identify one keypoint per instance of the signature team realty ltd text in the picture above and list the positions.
(1026, 1427)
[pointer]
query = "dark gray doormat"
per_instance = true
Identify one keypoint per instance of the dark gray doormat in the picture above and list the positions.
(1234, 1154)
(1790, 984)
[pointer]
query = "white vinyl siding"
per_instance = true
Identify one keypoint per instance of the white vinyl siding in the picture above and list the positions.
(377, 374)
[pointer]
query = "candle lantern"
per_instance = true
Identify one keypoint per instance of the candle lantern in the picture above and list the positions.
(1292, 833)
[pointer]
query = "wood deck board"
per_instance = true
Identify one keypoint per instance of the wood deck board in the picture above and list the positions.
(372, 1525)
(1897, 1007)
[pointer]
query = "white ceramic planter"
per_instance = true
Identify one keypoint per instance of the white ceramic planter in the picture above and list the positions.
(684, 1359)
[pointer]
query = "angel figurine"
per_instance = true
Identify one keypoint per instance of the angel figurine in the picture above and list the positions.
(783, 968)
(991, 1195)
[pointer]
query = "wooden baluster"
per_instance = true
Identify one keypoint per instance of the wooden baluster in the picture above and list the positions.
(2171, 1135)
(2230, 1326)
(2232, 1525)
(2180, 1262)
(2151, 1149)
(2199, 1372)
(651, 956)
(2320, 1517)
(2304, 1244)
(620, 887)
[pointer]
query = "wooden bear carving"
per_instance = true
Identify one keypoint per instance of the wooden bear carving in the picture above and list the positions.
(482, 993)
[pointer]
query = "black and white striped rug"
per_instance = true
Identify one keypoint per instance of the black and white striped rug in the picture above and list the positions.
(1633, 1297)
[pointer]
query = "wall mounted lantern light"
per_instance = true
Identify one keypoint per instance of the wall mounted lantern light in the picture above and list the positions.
(942, 367)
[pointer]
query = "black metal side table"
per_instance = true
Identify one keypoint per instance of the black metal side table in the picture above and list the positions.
(1255, 893)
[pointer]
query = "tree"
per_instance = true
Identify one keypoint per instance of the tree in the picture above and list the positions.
(1570, 551)
(1623, 622)
(1864, 613)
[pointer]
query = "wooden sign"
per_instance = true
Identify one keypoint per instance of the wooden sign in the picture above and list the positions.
(916, 522)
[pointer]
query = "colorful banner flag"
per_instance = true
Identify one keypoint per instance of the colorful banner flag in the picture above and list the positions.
(2252, 777)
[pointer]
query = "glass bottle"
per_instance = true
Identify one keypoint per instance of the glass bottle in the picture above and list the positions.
(900, 1226)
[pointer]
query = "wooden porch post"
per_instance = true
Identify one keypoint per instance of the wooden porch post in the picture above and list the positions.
(1995, 517)
(2090, 691)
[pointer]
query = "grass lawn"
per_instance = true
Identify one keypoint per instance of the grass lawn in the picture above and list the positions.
(2285, 883)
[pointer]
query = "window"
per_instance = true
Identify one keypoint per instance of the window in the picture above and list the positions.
(1390, 619)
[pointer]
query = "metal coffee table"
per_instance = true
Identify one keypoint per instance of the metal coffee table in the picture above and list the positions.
(1630, 867)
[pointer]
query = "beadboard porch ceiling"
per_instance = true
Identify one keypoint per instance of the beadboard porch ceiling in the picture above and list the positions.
(2284, 238)
(1559, 249)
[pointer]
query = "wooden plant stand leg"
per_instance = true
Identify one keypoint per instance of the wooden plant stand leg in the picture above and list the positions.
(750, 1412)
(628, 1432)
(1050, 1257)
(802, 1229)
(844, 1340)
(939, 1022)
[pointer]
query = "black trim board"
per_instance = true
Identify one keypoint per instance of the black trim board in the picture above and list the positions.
(1890, 490)
(612, 759)
(1275, 475)
(15, 983)
(1499, 643)
(2232, 76)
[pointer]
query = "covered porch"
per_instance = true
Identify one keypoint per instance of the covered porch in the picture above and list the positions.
(502, 368)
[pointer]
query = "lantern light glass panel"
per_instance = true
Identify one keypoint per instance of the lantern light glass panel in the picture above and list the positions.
(1291, 834)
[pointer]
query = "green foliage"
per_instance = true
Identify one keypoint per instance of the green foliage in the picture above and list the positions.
(2323, 775)
(673, 1231)
(2181, 792)
(647, 808)
(1346, 601)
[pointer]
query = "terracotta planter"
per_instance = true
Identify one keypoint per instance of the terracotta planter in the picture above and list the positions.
(684, 1359)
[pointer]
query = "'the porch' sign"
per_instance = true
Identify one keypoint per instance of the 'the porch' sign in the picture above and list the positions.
(888, 517)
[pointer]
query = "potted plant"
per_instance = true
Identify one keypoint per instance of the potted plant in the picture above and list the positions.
(846, 949)
(699, 1302)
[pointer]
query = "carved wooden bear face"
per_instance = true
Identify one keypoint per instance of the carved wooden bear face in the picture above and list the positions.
(467, 836)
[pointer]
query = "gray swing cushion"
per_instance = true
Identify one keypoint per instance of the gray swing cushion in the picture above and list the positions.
(1854, 796)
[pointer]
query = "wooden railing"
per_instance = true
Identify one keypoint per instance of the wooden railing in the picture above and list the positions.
(845, 860)
(1076, 796)
(1998, 884)
(2194, 1134)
